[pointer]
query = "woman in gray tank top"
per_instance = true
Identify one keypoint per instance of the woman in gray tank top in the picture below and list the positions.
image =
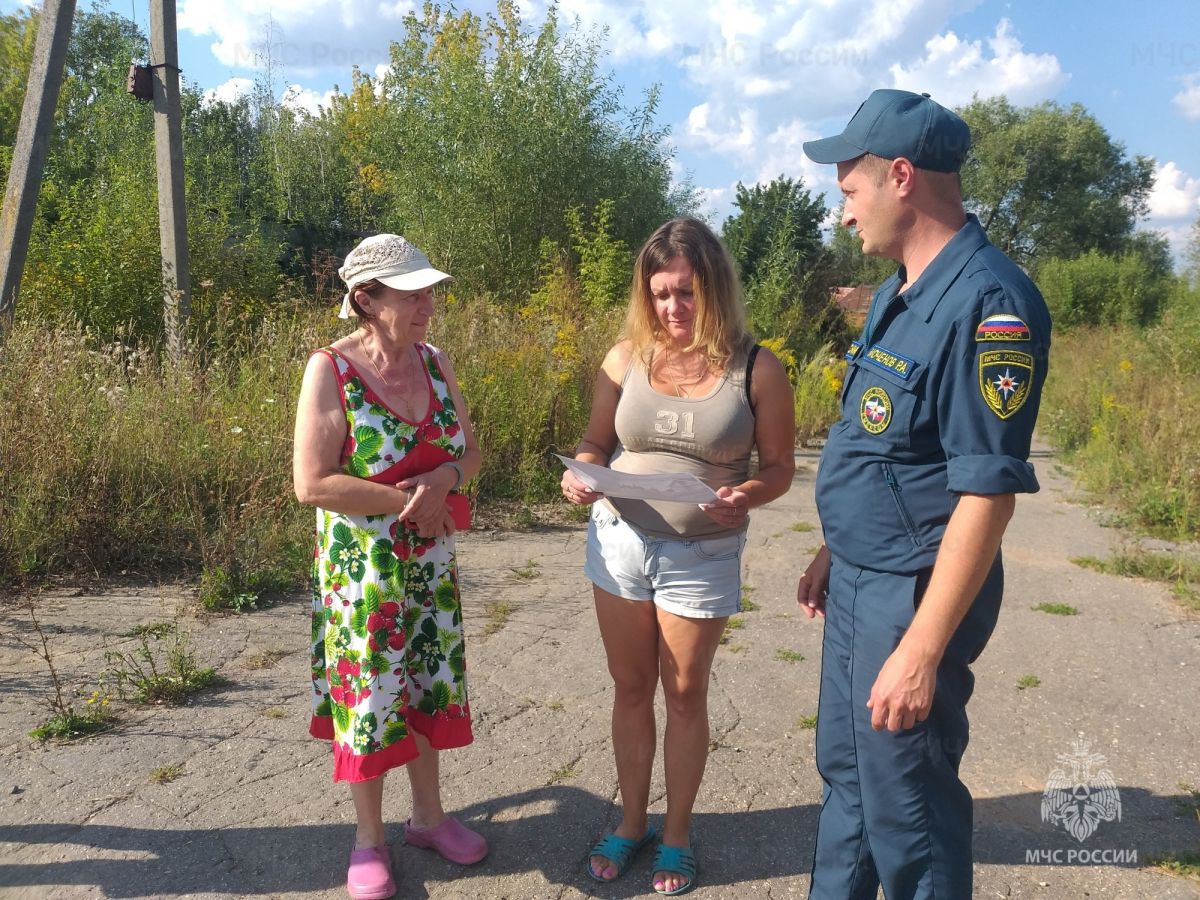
(686, 390)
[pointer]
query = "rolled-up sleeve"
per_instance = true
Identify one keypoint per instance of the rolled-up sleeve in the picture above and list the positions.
(990, 395)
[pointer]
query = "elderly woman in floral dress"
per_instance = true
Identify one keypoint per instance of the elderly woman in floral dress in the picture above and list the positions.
(382, 445)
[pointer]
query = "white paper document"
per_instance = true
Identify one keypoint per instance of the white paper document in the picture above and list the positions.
(680, 487)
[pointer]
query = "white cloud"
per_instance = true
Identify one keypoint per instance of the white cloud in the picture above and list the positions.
(229, 91)
(725, 132)
(302, 37)
(782, 154)
(953, 70)
(767, 76)
(715, 204)
(1175, 195)
(1187, 101)
(303, 99)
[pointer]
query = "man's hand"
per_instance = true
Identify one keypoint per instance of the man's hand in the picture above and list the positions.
(814, 585)
(903, 693)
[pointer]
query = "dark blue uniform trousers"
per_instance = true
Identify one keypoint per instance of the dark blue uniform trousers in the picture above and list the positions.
(894, 811)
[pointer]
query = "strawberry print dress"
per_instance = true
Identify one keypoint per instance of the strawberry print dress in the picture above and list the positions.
(387, 634)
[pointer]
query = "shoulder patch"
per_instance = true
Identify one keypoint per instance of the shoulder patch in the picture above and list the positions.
(875, 410)
(1003, 327)
(1004, 380)
(890, 361)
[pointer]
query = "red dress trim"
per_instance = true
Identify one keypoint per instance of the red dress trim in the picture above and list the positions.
(442, 732)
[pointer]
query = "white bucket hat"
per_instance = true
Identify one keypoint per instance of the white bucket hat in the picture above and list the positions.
(388, 259)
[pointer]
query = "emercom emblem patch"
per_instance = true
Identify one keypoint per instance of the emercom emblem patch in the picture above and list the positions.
(1004, 380)
(875, 410)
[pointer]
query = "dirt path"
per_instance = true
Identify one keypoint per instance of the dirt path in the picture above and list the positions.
(254, 813)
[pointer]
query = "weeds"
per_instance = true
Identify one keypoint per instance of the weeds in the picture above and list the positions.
(497, 612)
(64, 721)
(274, 712)
(1056, 609)
(165, 672)
(1178, 571)
(150, 629)
(1143, 564)
(817, 387)
(239, 591)
(789, 656)
(733, 624)
(559, 775)
(264, 659)
(528, 571)
(803, 527)
(748, 605)
(1114, 405)
(1185, 864)
(166, 774)
(156, 476)
(807, 722)
(68, 724)
(1028, 681)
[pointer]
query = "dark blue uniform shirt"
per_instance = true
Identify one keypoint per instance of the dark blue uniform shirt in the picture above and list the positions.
(940, 398)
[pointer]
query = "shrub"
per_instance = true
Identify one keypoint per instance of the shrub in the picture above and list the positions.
(122, 462)
(1117, 403)
(1097, 289)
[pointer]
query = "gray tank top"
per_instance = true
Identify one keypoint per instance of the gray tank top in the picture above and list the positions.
(710, 437)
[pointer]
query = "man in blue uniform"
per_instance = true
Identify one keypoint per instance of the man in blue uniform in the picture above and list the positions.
(916, 487)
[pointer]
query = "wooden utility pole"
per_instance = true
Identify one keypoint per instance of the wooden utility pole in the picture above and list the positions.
(168, 154)
(29, 153)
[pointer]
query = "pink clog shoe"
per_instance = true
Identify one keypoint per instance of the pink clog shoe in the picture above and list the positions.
(453, 840)
(370, 874)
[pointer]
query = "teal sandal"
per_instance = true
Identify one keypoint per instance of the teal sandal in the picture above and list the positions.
(674, 859)
(619, 851)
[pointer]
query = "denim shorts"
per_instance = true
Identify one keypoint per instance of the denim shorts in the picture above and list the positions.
(697, 579)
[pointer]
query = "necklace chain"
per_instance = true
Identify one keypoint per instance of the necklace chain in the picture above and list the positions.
(683, 388)
(397, 393)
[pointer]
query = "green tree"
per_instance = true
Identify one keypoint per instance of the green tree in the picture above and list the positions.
(18, 32)
(1101, 289)
(1191, 256)
(775, 238)
(849, 264)
(1048, 181)
(488, 132)
(765, 212)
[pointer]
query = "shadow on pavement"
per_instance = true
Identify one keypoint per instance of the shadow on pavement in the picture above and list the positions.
(546, 830)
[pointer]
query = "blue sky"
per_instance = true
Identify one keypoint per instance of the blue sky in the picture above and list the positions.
(746, 82)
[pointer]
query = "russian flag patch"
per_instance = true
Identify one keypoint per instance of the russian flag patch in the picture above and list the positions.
(1003, 327)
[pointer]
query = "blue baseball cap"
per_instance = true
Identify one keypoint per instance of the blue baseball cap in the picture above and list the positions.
(892, 124)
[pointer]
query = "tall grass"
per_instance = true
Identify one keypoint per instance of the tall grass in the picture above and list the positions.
(1120, 403)
(527, 376)
(115, 460)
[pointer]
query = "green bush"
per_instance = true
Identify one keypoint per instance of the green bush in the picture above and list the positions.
(1097, 289)
(1117, 402)
(124, 463)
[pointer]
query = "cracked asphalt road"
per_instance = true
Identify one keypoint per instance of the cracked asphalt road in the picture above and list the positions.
(253, 811)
